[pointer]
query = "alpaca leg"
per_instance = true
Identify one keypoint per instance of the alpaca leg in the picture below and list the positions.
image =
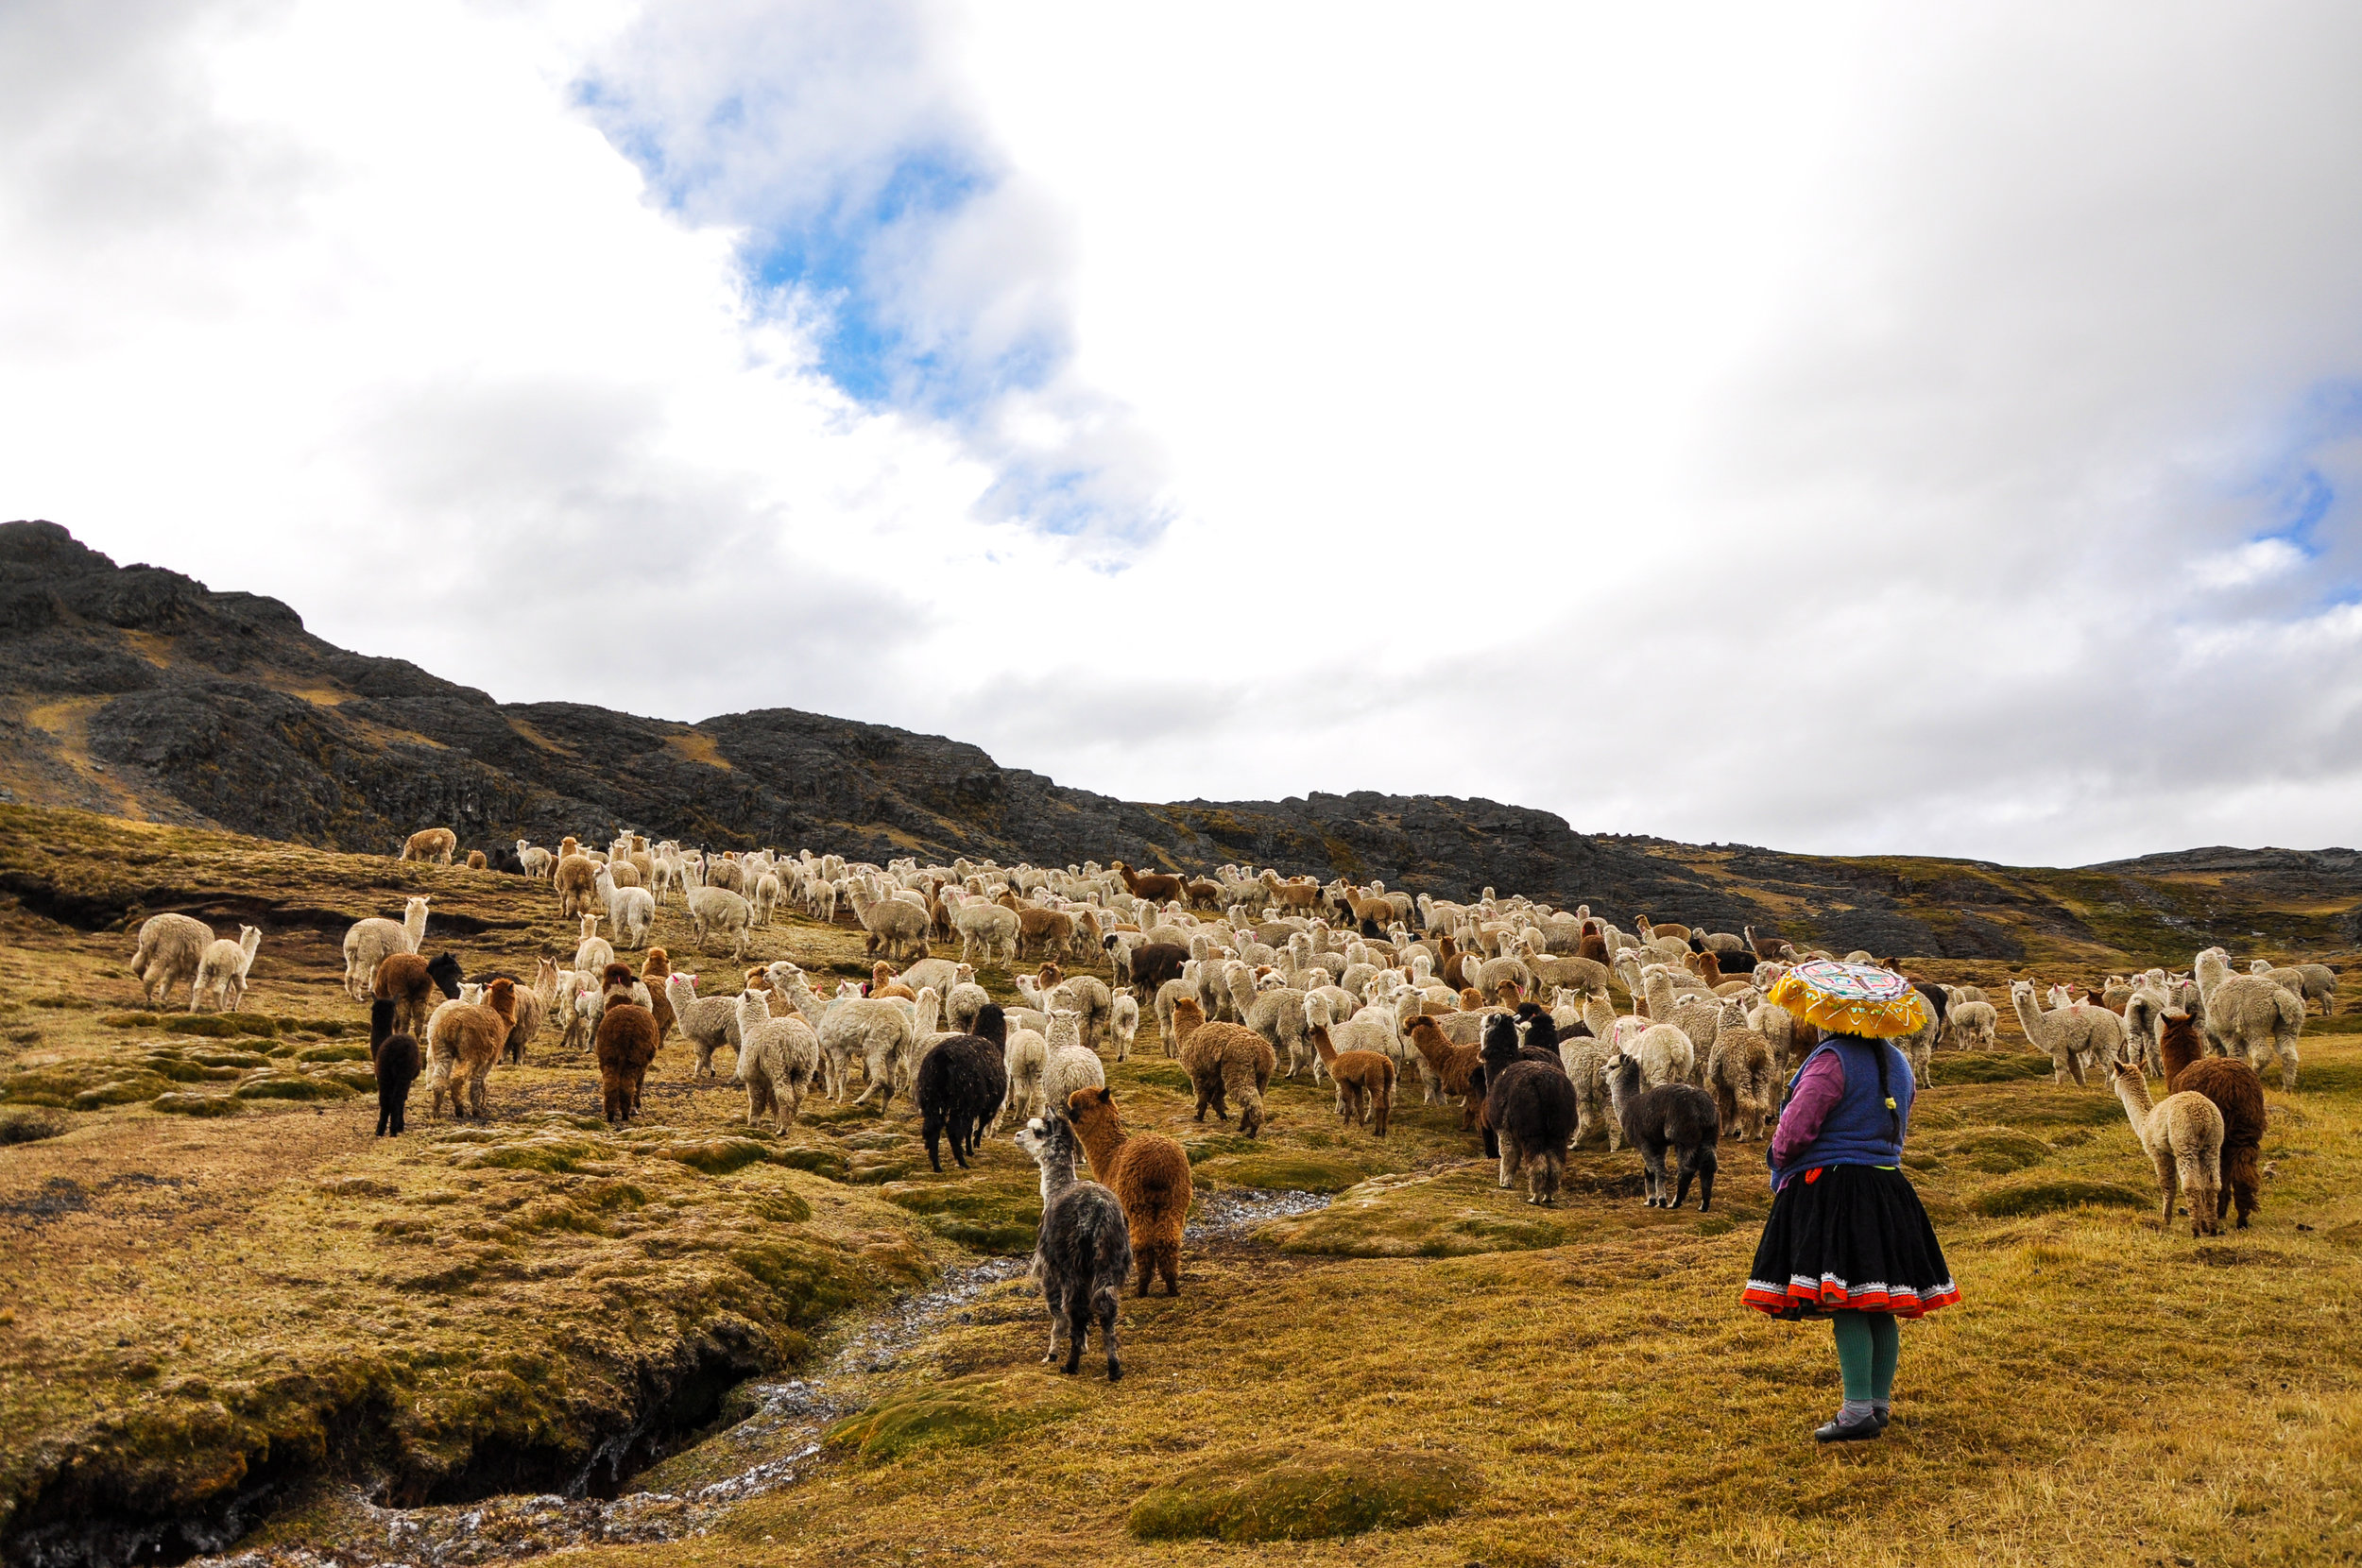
(1078, 1317)
(1050, 1290)
(1168, 1266)
(1108, 1307)
(2165, 1179)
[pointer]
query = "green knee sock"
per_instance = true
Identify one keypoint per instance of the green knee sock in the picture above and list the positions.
(1886, 1345)
(1854, 1356)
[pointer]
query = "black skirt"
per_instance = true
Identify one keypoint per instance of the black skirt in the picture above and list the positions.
(1849, 1238)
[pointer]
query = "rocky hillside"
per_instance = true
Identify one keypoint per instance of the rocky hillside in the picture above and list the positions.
(137, 691)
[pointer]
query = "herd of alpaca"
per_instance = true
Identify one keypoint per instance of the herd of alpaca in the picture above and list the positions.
(1503, 1005)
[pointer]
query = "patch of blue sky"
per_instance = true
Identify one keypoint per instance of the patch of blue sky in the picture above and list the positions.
(2307, 491)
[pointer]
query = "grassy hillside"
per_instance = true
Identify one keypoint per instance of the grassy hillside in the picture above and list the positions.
(226, 1312)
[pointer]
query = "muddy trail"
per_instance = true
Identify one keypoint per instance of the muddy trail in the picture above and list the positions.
(771, 1439)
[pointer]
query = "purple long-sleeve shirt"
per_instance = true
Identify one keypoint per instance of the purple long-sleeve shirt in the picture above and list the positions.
(1819, 1088)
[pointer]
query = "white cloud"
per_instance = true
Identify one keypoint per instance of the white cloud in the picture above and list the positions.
(1847, 429)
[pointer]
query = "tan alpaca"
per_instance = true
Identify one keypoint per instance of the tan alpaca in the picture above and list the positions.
(2183, 1137)
(1364, 1080)
(2075, 1037)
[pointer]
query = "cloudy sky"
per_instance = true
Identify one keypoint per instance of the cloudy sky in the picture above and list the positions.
(1848, 428)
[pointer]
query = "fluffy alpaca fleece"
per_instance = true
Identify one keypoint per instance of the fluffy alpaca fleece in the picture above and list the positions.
(627, 1042)
(2075, 1037)
(1067, 1063)
(2249, 1016)
(1149, 1176)
(1378, 1027)
(463, 1043)
(1154, 962)
(1740, 1075)
(879, 1034)
(594, 952)
(894, 929)
(395, 1058)
(960, 1086)
(576, 883)
(777, 1061)
(718, 912)
(986, 932)
(1278, 1016)
(709, 1023)
(221, 971)
(1585, 1059)
(416, 986)
(368, 941)
(1123, 1024)
(1530, 1114)
(1092, 1001)
(655, 970)
(1674, 1115)
(1697, 1015)
(1364, 1080)
(1968, 1026)
(166, 958)
(534, 862)
(2237, 1093)
(941, 974)
(2183, 1136)
(1083, 1251)
(1458, 1068)
(962, 1003)
(431, 843)
(1226, 1063)
(1025, 1057)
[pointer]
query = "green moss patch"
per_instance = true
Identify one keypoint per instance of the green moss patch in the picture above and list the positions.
(214, 1056)
(1455, 1215)
(2024, 1198)
(990, 1215)
(181, 1071)
(553, 1155)
(178, 1104)
(222, 1026)
(292, 1086)
(964, 1413)
(1999, 1151)
(123, 1091)
(1304, 1494)
(714, 1156)
(29, 1124)
(131, 1020)
(1289, 1170)
(1987, 1066)
(334, 1053)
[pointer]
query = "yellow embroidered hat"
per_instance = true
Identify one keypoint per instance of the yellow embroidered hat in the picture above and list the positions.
(1853, 998)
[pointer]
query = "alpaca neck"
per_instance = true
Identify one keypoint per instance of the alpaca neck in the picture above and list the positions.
(1599, 1016)
(1321, 1043)
(2133, 1089)
(2175, 1052)
(1102, 1139)
(1660, 988)
(1057, 1170)
(414, 926)
(2031, 1016)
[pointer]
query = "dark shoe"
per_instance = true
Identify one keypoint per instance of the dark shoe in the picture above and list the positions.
(1856, 1431)
(1881, 1416)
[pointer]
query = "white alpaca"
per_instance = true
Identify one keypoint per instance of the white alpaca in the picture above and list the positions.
(221, 971)
(370, 943)
(2249, 1016)
(777, 1061)
(2076, 1037)
(171, 947)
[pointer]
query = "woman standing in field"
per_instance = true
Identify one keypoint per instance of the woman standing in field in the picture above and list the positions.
(1847, 1238)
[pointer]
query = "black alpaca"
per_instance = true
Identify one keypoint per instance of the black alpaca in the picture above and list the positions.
(1677, 1115)
(961, 1084)
(1530, 1112)
(395, 1059)
(1083, 1252)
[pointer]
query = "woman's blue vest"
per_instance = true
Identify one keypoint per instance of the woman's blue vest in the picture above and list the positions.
(1859, 1129)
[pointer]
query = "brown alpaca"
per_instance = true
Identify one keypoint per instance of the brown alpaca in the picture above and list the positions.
(1709, 970)
(1044, 931)
(476, 861)
(1364, 1080)
(883, 985)
(466, 1039)
(653, 971)
(1149, 1176)
(404, 980)
(2230, 1083)
(431, 843)
(628, 1041)
(1224, 1062)
(1593, 946)
(1156, 885)
(1456, 1065)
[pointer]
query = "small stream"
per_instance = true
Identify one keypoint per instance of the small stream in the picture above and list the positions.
(775, 1448)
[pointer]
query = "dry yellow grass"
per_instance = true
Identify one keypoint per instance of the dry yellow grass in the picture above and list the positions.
(1584, 1378)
